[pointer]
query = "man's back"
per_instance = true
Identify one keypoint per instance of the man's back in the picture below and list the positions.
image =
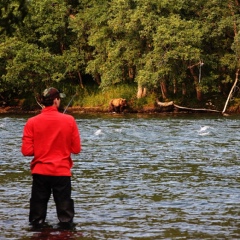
(51, 137)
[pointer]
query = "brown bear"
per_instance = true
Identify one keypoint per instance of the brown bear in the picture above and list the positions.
(117, 105)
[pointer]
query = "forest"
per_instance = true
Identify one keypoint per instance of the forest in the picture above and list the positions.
(185, 51)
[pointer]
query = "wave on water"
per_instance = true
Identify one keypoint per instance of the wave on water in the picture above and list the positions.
(203, 131)
(98, 132)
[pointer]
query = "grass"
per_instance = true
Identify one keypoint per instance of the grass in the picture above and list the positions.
(91, 96)
(100, 99)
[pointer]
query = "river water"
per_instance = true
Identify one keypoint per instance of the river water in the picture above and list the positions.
(137, 177)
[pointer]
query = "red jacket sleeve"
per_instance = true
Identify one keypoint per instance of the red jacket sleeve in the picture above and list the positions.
(27, 140)
(76, 142)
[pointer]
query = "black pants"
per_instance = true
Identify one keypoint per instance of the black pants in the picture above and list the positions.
(42, 187)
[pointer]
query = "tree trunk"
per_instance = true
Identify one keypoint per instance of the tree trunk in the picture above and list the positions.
(174, 86)
(80, 79)
(196, 82)
(230, 94)
(97, 78)
(142, 91)
(163, 89)
(184, 89)
(131, 73)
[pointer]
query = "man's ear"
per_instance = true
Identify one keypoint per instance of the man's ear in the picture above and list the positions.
(55, 102)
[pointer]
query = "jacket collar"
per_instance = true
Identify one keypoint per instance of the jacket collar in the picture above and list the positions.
(50, 109)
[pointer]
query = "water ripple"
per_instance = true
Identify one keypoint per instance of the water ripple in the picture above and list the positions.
(136, 178)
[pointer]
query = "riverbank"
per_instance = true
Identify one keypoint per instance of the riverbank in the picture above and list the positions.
(84, 110)
(147, 109)
(70, 110)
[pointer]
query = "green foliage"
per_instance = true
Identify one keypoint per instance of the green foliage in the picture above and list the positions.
(146, 102)
(12, 14)
(99, 98)
(119, 43)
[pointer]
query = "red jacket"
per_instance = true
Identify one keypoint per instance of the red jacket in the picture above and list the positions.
(51, 137)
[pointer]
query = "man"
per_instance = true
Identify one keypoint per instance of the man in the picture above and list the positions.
(51, 137)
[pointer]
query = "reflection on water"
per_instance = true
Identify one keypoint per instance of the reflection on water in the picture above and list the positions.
(55, 235)
(147, 177)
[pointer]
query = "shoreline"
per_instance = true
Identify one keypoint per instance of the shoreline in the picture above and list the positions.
(88, 110)
(72, 110)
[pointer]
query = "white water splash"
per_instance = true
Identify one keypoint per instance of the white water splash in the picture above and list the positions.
(98, 132)
(118, 130)
(3, 124)
(203, 131)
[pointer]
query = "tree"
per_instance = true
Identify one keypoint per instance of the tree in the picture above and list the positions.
(161, 46)
(12, 14)
(34, 57)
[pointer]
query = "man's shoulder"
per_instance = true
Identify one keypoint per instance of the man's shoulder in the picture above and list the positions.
(33, 117)
(67, 117)
(31, 120)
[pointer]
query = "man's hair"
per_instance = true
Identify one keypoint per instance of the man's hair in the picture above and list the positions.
(49, 95)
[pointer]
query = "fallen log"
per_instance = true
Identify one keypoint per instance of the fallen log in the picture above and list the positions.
(164, 104)
(174, 107)
(177, 107)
